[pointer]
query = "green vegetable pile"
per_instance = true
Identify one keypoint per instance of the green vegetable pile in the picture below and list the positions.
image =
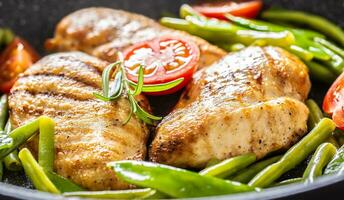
(324, 59)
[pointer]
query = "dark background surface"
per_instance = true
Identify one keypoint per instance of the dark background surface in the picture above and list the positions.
(35, 20)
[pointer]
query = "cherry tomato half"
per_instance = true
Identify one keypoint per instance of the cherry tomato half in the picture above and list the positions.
(334, 102)
(15, 59)
(163, 59)
(247, 9)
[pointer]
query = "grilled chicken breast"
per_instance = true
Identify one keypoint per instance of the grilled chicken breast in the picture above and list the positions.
(250, 101)
(102, 32)
(89, 132)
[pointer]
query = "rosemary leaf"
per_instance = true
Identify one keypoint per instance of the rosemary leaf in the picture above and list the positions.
(106, 76)
(139, 85)
(116, 87)
(158, 87)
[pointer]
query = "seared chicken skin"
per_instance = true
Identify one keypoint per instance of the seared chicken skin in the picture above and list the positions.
(250, 101)
(103, 32)
(89, 132)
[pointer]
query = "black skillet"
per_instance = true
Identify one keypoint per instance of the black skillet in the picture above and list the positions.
(35, 20)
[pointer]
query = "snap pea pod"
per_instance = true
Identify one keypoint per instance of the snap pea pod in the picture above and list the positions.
(245, 175)
(229, 166)
(295, 155)
(336, 165)
(315, 22)
(35, 172)
(236, 34)
(175, 182)
(302, 53)
(119, 194)
(289, 181)
(320, 72)
(330, 46)
(18, 137)
(303, 38)
(3, 111)
(336, 63)
(61, 183)
(322, 156)
(46, 149)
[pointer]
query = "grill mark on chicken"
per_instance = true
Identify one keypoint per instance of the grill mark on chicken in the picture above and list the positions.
(89, 132)
(236, 106)
(103, 32)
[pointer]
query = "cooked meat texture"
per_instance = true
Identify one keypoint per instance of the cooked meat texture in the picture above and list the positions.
(89, 132)
(250, 101)
(103, 32)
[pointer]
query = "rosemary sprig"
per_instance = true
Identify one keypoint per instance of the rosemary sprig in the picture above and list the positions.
(112, 90)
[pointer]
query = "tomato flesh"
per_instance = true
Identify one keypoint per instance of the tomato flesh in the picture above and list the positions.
(334, 102)
(249, 9)
(163, 59)
(15, 59)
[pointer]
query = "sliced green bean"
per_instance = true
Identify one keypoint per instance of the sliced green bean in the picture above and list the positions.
(12, 162)
(36, 173)
(316, 22)
(336, 166)
(315, 113)
(230, 166)
(46, 150)
(3, 111)
(175, 182)
(18, 137)
(245, 175)
(119, 194)
(322, 156)
(296, 154)
(336, 63)
(320, 72)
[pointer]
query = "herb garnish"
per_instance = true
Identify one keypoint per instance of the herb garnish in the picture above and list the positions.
(113, 89)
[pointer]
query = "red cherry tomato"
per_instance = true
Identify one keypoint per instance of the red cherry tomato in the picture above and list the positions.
(15, 59)
(247, 9)
(163, 59)
(334, 102)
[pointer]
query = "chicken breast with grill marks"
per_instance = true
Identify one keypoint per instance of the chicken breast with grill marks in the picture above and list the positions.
(102, 32)
(89, 132)
(250, 101)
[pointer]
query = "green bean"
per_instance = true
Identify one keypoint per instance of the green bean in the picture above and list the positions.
(12, 162)
(322, 156)
(212, 162)
(321, 73)
(229, 166)
(245, 175)
(18, 137)
(46, 152)
(1, 170)
(266, 26)
(61, 183)
(175, 182)
(300, 52)
(118, 194)
(3, 111)
(336, 165)
(231, 47)
(289, 181)
(295, 155)
(316, 49)
(186, 10)
(330, 46)
(316, 22)
(36, 173)
(315, 113)
(336, 63)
